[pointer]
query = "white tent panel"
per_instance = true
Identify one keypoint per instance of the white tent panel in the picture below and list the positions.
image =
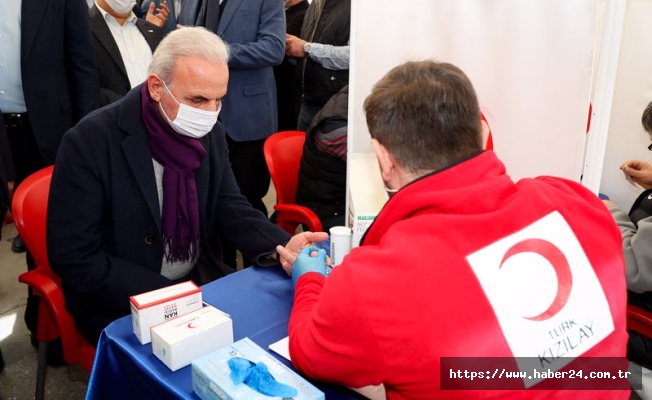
(530, 62)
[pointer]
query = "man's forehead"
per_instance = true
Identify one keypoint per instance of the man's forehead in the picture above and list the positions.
(189, 68)
(197, 77)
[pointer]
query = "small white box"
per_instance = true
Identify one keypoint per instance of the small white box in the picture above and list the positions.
(179, 341)
(366, 194)
(152, 308)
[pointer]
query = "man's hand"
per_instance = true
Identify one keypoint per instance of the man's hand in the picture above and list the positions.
(294, 46)
(158, 16)
(640, 172)
(310, 259)
(295, 245)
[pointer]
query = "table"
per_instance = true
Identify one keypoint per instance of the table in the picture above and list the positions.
(259, 301)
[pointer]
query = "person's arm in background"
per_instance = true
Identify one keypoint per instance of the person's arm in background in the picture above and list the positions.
(637, 238)
(80, 59)
(639, 172)
(157, 15)
(637, 249)
(268, 47)
(330, 57)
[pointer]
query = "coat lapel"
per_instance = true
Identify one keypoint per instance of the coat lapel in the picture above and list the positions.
(229, 11)
(31, 14)
(148, 33)
(135, 145)
(103, 34)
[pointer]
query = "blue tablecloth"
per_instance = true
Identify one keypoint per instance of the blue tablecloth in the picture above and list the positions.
(259, 301)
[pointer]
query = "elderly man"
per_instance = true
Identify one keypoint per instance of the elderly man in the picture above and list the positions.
(142, 189)
(456, 266)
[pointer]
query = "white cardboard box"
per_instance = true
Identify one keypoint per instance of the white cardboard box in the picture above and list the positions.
(366, 193)
(152, 308)
(179, 341)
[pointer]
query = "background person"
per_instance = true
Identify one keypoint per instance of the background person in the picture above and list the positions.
(636, 230)
(288, 88)
(322, 172)
(323, 49)
(254, 31)
(123, 46)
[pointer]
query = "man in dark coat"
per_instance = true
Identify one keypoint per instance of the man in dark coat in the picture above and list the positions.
(153, 189)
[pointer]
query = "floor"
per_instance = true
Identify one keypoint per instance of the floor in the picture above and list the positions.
(17, 381)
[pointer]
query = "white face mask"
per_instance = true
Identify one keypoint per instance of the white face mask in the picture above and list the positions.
(121, 6)
(191, 121)
(390, 192)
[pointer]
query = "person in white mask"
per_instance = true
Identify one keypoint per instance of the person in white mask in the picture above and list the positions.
(123, 45)
(153, 189)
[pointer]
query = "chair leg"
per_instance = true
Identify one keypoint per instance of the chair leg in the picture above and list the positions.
(40, 371)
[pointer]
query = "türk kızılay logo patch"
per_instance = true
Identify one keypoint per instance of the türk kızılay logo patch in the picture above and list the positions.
(545, 294)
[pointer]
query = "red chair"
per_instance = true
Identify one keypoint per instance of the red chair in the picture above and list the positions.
(283, 152)
(639, 320)
(29, 207)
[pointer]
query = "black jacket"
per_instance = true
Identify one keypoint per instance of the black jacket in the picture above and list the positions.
(322, 176)
(104, 226)
(114, 81)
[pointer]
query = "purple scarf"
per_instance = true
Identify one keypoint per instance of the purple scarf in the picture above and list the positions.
(180, 157)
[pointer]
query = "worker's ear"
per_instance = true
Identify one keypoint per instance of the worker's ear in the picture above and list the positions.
(484, 131)
(386, 162)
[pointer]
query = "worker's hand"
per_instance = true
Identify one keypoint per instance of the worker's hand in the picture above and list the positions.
(293, 247)
(639, 172)
(310, 259)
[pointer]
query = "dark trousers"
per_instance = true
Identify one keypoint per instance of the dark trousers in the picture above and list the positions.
(251, 173)
(24, 150)
(306, 113)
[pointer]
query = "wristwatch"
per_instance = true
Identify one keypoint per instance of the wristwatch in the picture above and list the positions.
(306, 48)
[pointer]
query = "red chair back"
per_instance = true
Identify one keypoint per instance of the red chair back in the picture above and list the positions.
(29, 207)
(639, 320)
(283, 151)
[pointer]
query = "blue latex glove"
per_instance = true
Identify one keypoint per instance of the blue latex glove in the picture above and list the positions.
(257, 377)
(307, 263)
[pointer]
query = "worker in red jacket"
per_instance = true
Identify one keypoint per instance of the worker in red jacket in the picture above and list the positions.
(467, 284)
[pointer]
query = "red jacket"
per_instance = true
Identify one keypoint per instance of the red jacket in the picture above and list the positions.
(466, 263)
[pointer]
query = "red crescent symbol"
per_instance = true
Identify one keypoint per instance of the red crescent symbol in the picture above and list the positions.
(191, 326)
(558, 261)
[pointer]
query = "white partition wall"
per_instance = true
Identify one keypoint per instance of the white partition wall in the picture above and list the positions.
(530, 62)
(633, 91)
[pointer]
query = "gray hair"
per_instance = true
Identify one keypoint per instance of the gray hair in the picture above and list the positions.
(195, 42)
